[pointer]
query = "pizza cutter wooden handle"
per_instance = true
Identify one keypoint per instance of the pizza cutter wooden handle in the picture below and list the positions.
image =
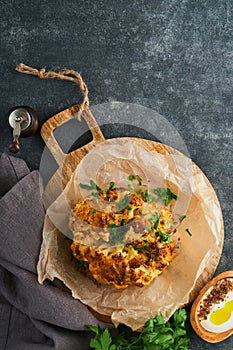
(47, 130)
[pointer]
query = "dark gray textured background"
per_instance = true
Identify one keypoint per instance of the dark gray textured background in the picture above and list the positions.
(175, 57)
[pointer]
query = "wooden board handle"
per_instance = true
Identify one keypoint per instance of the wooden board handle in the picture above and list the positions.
(47, 130)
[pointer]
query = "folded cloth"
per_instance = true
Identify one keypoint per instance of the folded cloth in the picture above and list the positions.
(32, 316)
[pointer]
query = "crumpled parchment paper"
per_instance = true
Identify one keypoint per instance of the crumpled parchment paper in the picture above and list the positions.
(195, 260)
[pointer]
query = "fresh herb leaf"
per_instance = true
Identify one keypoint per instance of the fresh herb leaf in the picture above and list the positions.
(93, 211)
(156, 335)
(94, 329)
(96, 195)
(86, 187)
(123, 221)
(81, 265)
(94, 186)
(131, 187)
(187, 230)
(139, 180)
(144, 247)
(156, 224)
(103, 341)
(131, 177)
(116, 234)
(128, 207)
(123, 202)
(164, 237)
(161, 193)
(169, 196)
(111, 186)
(152, 198)
(90, 187)
(182, 218)
(155, 219)
(165, 195)
(146, 196)
(180, 317)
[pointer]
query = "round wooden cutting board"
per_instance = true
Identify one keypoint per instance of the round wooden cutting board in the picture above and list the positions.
(68, 162)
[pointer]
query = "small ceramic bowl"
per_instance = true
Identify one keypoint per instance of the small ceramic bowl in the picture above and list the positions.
(208, 336)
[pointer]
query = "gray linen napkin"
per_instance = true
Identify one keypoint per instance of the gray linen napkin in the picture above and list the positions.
(32, 316)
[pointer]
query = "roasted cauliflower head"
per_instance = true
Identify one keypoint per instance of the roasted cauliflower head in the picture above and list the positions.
(123, 235)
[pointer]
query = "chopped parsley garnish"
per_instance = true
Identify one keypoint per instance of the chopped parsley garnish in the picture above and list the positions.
(182, 218)
(152, 198)
(123, 222)
(154, 220)
(189, 233)
(144, 247)
(165, 195)
(96, 195)
(131, 177)
(161, 193)
(81, 265)
(111, 186)
(90, 187)
(123, 202)
(164, 237)
(139, 180)
(93, 211)
(94, 186)
(131, 187)
(146, 196)
(154, 217)
(116, 234)
(128, 207)
(156, 224)
(170, 195)
(86, 187)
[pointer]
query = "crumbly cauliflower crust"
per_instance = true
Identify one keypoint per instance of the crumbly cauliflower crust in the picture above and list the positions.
(125, 238)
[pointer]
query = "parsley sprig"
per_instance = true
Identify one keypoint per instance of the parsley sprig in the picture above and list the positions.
(156, 335)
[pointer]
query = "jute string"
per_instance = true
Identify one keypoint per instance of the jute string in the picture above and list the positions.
(67, 74)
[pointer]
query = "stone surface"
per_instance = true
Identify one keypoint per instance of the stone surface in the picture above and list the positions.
(175, 57)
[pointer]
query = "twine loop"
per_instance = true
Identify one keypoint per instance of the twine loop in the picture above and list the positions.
(41, 73)
(68, 74)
